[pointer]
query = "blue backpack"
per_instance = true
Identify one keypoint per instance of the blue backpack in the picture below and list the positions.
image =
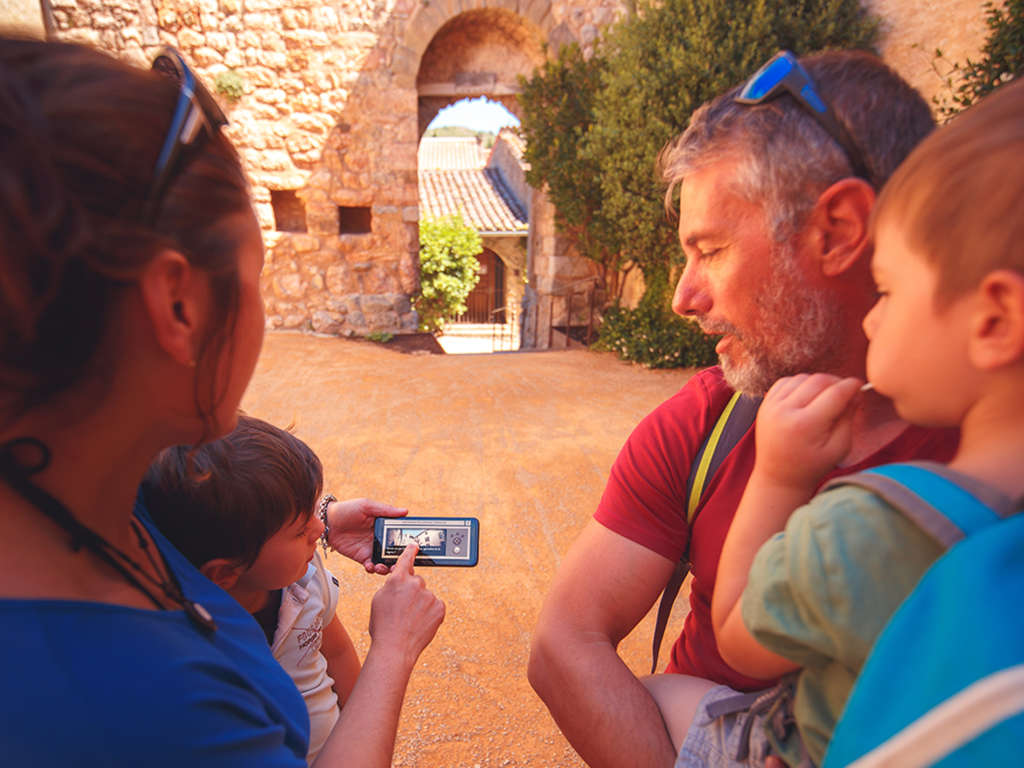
(944, 682)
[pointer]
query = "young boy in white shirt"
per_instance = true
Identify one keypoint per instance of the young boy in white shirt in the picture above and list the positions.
(247, 511)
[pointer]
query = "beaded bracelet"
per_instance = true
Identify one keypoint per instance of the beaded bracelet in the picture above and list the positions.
(322, 512)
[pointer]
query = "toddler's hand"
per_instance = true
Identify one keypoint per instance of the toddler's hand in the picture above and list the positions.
(404, 614)
(803, 428)
(350, 525)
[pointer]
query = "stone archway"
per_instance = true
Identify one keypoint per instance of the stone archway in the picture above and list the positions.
(477, 53)
(483, 51)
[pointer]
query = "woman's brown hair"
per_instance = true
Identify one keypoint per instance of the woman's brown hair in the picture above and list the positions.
(79, 137)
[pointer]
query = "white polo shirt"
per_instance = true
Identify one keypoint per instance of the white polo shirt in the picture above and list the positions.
(307, 606)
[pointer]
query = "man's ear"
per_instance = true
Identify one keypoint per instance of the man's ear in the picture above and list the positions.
(997, 328)
(838, 225)
(222, 572)
(174, 295)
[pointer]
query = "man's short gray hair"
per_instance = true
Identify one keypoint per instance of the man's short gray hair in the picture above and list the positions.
(786, 159)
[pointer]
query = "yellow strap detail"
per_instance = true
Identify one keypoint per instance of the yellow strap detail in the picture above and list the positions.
(705, 459)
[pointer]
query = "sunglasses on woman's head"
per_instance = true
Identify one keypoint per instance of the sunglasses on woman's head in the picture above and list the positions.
(195, 111)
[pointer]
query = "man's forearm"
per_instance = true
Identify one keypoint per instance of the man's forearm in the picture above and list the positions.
(604, 711)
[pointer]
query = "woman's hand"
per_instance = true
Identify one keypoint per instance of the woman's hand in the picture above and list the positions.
(350, 529)
(804, 428)
(404, 614)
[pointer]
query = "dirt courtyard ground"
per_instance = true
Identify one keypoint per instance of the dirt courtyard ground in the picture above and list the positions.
(524, 442)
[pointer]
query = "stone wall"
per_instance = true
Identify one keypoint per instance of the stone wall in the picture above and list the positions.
(337, 92)
(331, 112)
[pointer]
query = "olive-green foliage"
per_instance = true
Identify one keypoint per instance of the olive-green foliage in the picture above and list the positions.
(1002, 59)
(655, 337)
(664, 63)
(448, 268)
(594, 128)
(558, 106)
(230, 85)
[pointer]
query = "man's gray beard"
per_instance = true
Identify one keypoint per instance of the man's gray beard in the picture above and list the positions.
(797, 329)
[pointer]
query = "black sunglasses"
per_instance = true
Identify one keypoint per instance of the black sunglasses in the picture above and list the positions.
(783, 74)
(196, 110)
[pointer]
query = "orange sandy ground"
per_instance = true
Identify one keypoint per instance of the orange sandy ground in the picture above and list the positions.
(524, 442)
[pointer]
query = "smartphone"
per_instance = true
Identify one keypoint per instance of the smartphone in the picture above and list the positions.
(442, 540)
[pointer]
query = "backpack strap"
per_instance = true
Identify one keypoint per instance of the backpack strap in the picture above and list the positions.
(736, 418)
(938, 505)
(954, 648)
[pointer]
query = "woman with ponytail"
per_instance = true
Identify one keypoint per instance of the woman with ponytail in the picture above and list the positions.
(131, 320)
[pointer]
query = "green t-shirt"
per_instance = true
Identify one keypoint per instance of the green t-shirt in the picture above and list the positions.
(820, 592)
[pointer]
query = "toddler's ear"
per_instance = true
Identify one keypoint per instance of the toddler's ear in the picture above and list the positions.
(997, 337)
(222, 572)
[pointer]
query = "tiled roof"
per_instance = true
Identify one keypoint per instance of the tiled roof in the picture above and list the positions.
(452, 181)
(450, 152)
(513, 140)
(481, 195)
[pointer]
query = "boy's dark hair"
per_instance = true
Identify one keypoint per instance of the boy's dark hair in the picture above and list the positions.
(226, 498)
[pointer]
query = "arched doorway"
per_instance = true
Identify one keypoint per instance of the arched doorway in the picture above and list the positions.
(477, 53)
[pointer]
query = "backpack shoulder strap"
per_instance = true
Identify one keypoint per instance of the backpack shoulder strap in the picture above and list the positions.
(938, 505)
(955, 646)
(734, 421)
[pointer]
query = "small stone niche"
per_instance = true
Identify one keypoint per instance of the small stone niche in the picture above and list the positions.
(289, 211)
(354, 220)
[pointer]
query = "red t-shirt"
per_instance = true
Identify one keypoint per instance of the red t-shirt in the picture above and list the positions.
(645, 501)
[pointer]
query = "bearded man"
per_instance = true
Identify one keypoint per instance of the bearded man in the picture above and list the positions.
(776, 180)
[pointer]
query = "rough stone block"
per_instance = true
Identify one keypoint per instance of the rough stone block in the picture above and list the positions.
(274, 160)
(303, 243)
(383, 322)
(189, 38)
(376, 304)
(409, 322)
(325, 322)
(286, 286)
(206, 57)
(400, 302)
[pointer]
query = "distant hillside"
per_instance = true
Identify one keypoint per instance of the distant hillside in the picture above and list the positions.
(486, 139)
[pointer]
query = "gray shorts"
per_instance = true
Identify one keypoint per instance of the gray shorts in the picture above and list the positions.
(730, 728)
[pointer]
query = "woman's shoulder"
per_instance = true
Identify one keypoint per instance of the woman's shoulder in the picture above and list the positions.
(144, 684)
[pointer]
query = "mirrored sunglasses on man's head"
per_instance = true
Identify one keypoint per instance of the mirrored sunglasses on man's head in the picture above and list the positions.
(195, 112)
(783, 74)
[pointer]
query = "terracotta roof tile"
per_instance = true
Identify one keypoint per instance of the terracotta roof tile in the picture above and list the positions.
(452, 179)
(481, 195)
(450, 152)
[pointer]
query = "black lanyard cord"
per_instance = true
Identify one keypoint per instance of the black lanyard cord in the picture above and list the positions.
(18, 473)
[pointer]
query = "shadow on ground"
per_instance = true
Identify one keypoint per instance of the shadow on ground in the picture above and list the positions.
(522, 441)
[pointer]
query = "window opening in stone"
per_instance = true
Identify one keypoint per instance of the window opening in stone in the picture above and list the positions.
(353, 221)
(289, 211)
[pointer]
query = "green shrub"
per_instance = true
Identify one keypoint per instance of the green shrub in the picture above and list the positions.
(448, 269)
(230, 85)
(1002, 59)
(656, 337)
(594, 127)
(381, 337)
